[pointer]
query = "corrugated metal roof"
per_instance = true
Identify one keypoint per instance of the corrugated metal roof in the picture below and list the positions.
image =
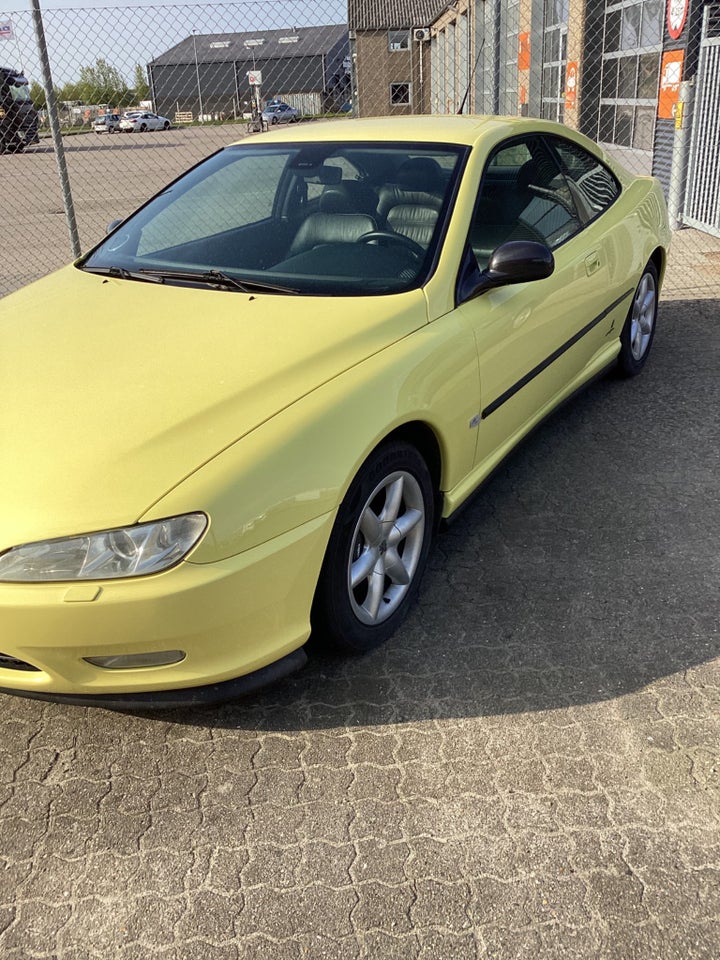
(265, 44)
(385, 14)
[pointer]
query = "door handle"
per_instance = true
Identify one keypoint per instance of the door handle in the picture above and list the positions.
(592, 263)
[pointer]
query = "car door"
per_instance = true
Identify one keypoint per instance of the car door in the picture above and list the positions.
(531, 337)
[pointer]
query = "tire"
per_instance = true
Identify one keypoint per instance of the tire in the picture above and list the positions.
(166, 126)
(143, 128)
(393, 486)
(638, 332)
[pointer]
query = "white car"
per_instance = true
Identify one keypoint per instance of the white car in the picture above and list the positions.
(143, 121)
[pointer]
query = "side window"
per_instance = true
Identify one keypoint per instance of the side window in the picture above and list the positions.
(523, 196)
(593, 186)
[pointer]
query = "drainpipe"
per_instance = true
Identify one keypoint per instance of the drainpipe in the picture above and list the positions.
(678, 169)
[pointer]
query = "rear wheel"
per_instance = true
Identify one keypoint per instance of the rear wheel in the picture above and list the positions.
(639, 330)
(377, 552)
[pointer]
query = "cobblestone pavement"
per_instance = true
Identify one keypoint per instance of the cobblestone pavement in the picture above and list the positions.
(529, 770)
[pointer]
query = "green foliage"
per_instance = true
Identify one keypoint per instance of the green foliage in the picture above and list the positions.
(37, 95)
(141, 88)
(98, 84)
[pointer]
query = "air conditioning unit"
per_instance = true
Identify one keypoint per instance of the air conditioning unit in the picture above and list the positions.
(421, 34)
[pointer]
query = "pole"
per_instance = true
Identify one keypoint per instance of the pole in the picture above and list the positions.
(55, 128)
(197, 75)
(678, 168)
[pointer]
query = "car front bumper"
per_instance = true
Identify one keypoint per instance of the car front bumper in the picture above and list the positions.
(231, 619)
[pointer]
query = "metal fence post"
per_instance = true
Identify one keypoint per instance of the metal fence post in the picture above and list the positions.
(678, 169)
(55, 128)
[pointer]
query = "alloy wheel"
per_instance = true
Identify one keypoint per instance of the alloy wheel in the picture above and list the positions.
(386, 547)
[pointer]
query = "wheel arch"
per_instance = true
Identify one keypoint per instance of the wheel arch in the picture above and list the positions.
(423, 438)
(659, 258)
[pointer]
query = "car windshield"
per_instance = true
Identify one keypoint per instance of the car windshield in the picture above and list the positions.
(316, 218)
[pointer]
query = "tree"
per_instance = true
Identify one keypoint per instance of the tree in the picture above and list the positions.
(103, 83)
(37, 95)
(142, 90)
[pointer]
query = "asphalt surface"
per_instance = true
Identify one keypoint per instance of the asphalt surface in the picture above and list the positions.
(529, 769)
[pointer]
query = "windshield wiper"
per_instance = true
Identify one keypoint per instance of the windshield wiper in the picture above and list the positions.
(122, 274)
(219, 279)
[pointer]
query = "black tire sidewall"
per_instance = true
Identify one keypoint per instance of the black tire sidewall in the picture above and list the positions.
(335, 625)
(628, 365)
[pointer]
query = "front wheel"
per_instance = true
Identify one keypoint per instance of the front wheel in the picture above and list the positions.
(377, 551)
(639, 330)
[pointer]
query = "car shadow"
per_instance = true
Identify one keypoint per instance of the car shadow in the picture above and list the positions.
(586, 569)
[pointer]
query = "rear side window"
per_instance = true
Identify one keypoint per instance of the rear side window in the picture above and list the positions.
(593, 187)
(523, 196)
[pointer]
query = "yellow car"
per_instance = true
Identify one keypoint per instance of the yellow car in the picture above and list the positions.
(243, 415)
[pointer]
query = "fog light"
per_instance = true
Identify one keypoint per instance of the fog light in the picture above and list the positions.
(128, 661)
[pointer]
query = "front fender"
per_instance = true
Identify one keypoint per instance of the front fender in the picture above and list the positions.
(297, 466)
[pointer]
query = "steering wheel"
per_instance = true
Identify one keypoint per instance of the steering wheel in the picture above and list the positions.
(415, 249)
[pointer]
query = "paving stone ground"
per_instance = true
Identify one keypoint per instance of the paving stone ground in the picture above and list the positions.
(530, 769)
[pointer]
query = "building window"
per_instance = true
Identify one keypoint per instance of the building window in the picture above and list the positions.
(630, 72)
(400, 94)
(398, 40)
(555, 60)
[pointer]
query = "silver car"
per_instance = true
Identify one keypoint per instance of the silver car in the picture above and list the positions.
(280, 113)
(107, 123)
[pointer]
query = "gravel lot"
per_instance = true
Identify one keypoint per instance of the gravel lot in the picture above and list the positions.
(530, 769)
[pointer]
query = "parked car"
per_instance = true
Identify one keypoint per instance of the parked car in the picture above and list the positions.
(140, 122)
(107, 123)
(280, 113)
(278, 377)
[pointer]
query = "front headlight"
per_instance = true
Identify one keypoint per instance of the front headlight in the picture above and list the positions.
(124, 552)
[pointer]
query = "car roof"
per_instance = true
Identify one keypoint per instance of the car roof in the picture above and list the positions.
(466, 129)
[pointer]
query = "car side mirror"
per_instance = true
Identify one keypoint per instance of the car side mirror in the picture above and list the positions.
(113, 224)
(516, 261)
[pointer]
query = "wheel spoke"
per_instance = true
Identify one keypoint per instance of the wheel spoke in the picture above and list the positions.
(395, 568)
(403, 525)
(362, 567)
(370, 526)
(376, 591)
(393, 501)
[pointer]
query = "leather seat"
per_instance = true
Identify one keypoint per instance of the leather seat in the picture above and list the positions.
(411, 204)
(349, 196)
(415, 221)
(322, 228)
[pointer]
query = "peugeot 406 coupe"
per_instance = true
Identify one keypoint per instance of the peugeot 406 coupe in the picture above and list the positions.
(242, 416)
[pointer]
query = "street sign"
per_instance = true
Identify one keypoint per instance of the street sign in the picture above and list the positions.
(255, 78)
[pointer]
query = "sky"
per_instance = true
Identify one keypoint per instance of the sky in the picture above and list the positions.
(129, 32)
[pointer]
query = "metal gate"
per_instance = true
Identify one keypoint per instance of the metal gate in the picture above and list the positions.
(702, 201)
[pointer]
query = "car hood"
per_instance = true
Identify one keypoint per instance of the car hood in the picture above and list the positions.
(114, 391)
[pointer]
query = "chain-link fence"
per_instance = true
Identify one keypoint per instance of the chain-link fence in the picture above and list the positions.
(144, 92)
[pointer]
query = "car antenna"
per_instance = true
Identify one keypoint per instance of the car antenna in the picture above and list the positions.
(472, 74)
